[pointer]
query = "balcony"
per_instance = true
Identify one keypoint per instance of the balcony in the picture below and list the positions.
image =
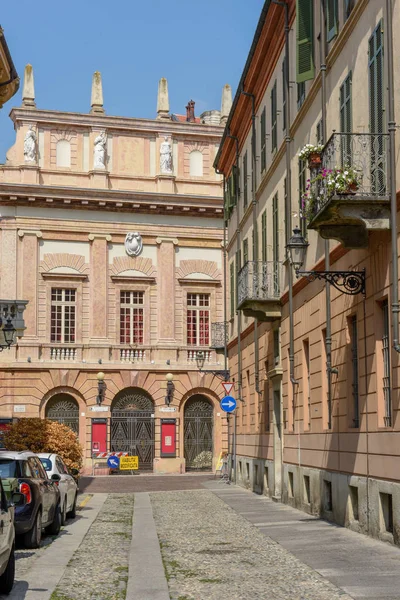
(259, 290)
(349, 214)
(219, 335)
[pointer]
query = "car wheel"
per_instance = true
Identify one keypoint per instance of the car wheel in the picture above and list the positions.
(54, 528)
(64, 512)
(72, 512)
(32, 538)
(7, 579)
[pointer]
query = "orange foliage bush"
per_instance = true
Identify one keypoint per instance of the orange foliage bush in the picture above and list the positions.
(43, 435)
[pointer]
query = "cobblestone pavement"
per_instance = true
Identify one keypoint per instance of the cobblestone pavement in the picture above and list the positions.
(142, 483)
(24, 558)
(211, 553)
(99, 569)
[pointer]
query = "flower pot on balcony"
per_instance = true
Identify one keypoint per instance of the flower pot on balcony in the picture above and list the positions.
(314, 160)
(351, 189)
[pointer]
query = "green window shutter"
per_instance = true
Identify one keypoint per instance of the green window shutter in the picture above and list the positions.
(232, 278)
(305, 40)
(264, 236)
(245, 179)
(302, 188)
(275, 241)
(331, 19)
(245, 251)
(253, 246)
(346, 121)
(263, 143)
(284, 93)
(274, 141)
(376, 81)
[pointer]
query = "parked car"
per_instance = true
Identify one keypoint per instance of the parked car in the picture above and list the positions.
(42, 507)
(7, 539)
(54, 464)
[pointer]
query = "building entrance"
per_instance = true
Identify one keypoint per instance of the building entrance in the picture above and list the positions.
(132, 426)
(198, 434)
(64, 409)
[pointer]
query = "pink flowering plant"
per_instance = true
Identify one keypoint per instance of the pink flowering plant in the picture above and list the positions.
(327, 183)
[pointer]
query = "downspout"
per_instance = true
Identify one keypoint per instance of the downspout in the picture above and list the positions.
(392, 171)
(238, 312)
(255, 231)
(328, 338)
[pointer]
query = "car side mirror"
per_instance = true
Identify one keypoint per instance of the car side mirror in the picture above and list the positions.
(74, 472)
(18, 499)
(56, 477)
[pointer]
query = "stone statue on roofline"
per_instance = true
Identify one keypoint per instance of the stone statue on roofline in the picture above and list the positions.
(100, 151)
(166, 157)
(30, 145)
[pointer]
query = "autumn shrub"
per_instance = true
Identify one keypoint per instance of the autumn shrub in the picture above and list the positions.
(43, 435)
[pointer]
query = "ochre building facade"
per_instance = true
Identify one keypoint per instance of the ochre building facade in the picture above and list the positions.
(111, 228)
(316, 369)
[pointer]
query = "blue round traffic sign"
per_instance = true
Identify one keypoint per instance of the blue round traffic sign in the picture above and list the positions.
(228, 404)
(113, 462)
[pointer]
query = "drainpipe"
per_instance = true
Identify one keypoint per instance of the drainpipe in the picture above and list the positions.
(392, 171)
(238, 312)
(255, 229)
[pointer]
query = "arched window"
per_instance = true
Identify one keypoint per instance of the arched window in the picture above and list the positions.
(63, 153)
(196, 163)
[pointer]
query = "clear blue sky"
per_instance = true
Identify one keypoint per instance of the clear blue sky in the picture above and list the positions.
(197, 46)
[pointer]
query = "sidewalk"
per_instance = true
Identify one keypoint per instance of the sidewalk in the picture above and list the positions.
(362, 567)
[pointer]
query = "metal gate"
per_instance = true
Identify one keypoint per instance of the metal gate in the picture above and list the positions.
(64, 409)
(132, 427)
(198, 434)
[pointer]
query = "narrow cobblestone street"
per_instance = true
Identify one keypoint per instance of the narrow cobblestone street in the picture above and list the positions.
(220, 543)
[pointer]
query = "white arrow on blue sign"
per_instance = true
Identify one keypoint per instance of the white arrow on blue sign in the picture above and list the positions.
(228, 404)
(113, 462)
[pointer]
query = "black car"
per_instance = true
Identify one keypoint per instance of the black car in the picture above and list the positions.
(42, 497)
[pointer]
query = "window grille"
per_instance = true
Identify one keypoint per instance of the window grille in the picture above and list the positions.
(198, 319)
(387, 395)
(354, 362)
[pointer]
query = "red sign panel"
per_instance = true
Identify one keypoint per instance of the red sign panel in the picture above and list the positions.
(99, 436)
(168, 438)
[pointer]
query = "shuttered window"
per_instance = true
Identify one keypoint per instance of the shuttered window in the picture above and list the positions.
(304, 40)
(274, 129)
(245, 178)
(331, 8)
(284, 94)
(346, 120)
(264, 236)
(302, 188)
(263, 142)
(245, 251)
(348, 7)
(376, 98)
(275, 241)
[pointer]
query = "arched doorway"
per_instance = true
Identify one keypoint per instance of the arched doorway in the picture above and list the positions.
(64, 409)
(132, 425)
(198, 433)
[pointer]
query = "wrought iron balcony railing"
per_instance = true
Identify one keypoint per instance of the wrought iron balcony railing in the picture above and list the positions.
(260, 281)
(360, 156)
(219, 335)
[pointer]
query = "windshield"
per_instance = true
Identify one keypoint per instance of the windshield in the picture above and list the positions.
(8, 468)
(46, 462)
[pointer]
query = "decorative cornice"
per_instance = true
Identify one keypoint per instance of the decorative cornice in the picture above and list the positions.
(49, 275)
(184, 280)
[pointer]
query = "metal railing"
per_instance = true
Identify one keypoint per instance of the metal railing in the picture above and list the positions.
(219, 335)
(259, 280)
(366, 154)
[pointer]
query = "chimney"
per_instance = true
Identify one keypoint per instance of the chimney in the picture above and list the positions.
(190, 118)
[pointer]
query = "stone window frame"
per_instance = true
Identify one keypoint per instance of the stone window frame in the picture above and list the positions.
(133, 286)
(199, 288)
(65, 282)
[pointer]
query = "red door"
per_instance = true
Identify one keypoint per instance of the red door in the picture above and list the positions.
(99, 435)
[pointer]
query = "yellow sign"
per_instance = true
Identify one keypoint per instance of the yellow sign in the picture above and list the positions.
(128, 463)
(220, 462)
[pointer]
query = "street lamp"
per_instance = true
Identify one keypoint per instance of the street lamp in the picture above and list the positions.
(8, 333)
(170, 388)
(348, 282)
(101, 387)
(201, 359)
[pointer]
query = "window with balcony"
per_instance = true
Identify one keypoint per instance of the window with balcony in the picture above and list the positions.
(346, 120)
(232, 287)
(275, 241)
(245, 251)
(198, 319)
(263, 141)
(302, 189)
(63, 316)
(264, 236)
(131, 317)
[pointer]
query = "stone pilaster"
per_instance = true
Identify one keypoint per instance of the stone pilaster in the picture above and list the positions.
(166, 289)
(98, 288)
(28, 279)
